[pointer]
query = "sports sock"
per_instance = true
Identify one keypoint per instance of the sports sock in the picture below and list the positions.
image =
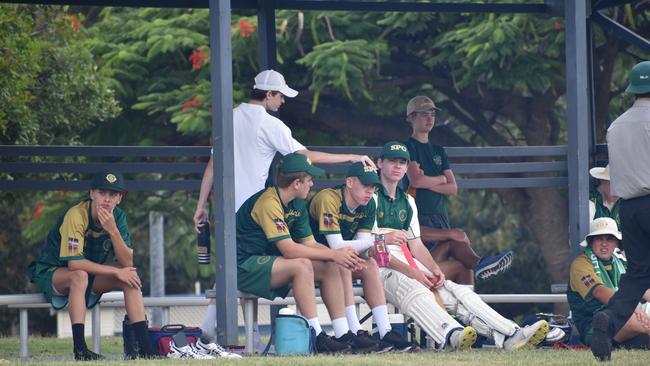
(353, 320)
(340, 326)
(210, 323)
(142, 336)
(380, 315)
(78, 340)
(315, 324)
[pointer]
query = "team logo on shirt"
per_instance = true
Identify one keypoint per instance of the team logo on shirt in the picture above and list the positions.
(73, 244)
(263, 259)
(437, 159)
(380, 214)
(587, 280)
(402, 215)
(280, 226)
(328, 220)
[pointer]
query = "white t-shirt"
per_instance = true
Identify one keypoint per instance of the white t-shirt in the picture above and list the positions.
(258, 136)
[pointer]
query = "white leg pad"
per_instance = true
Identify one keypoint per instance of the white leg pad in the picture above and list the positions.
(416, 301)
(473, 311)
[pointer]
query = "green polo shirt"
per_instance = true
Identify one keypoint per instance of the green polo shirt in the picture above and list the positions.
(328, 214)
(602, 210)
(262, 220)
(393, 213)
(433, 161)
(75, 236)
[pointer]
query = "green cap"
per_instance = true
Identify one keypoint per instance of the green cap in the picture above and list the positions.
(395, 150)
(365, 173)
(108, 180)
(296, 163)
(640, 79)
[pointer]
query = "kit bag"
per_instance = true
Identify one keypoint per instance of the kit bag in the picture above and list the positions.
(293, 335)
(162, 337)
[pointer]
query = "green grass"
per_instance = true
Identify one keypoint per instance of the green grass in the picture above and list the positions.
(54, 351)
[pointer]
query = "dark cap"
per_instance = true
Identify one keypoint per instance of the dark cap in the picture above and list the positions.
(296, 163)
(108, 180)
(395, 150)
(365, 173)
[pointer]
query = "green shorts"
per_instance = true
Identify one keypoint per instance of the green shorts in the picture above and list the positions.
(42, 274)
(254, 277)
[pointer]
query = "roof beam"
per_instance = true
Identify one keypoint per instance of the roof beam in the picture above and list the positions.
(621, 31)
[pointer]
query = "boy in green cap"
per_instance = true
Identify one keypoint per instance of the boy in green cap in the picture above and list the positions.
(276, 248)
(71, 269)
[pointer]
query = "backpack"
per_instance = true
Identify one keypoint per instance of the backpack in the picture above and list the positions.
(161, 337)
(293, 335)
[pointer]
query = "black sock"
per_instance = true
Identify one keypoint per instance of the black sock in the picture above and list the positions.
(142, 336)
(78, 337)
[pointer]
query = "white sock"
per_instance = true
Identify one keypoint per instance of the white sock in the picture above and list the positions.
(209, 325)
(380, 315)
(353, 319)
(315, 324)
(340, 326)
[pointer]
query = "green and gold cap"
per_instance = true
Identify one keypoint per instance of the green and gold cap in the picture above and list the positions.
(395, 150)
(296, 163)
(365, 173)
(108, 180)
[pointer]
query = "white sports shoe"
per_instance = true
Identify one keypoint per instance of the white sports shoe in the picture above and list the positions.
(527, 337)
(185, 352)
(555, 335)
(213, 350)
(462, 340)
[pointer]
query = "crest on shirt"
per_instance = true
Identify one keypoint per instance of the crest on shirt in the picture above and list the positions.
(328, 220)
(437, 159)
(402, 215)
(380, 214)
(73, 244)
(280, 226)
(587, 280)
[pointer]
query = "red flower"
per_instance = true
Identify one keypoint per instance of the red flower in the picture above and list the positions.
(198, 58)
(557, 25)
(192, 103)
(38, 210)
(74, 22)
(245, 29)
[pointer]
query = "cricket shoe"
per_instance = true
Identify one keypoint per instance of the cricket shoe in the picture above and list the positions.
(382, 346)
(398, 342)
(601, 343)
(327, 344)
(87, 355)
(213, 349)
(462, 340)
(527, 337)
(358, 344)
(185, 352)
(489, 267)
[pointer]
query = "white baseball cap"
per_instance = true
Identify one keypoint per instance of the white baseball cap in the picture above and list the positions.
(602, 226)
(600, 173)
(273, 81)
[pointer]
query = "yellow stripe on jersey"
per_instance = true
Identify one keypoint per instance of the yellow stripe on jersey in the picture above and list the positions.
(269, 215)
(73, 230)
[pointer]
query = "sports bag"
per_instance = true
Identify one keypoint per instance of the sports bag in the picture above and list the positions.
(293, 335)
(161, 337)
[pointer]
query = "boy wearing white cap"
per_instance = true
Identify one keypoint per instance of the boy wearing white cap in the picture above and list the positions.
(594, 278)
(258, 136)
(602, 202)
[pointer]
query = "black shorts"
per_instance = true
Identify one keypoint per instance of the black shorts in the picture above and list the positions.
(435, 221)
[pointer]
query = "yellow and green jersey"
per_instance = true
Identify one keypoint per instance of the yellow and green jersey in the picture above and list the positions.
(262, 220)
(393, 213)
(328, 214)
(75, 236)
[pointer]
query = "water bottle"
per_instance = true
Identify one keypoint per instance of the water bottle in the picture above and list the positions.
(380, 251)
(203, 244)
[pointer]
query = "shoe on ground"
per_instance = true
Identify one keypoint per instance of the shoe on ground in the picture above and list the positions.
(358, 344)
(555, 335)
(87, 355)
(527, 337)
(213, 349)
(398, 342)
(462, 339)
(382, 346)
(327, 344)
(601, 343)
(489, 267)
(185, 352)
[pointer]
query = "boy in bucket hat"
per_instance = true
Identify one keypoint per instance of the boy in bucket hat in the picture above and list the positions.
(276, 248)
(595, 276)
(431, 180)
(628, 148)
(70, 269)
(602, 202)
